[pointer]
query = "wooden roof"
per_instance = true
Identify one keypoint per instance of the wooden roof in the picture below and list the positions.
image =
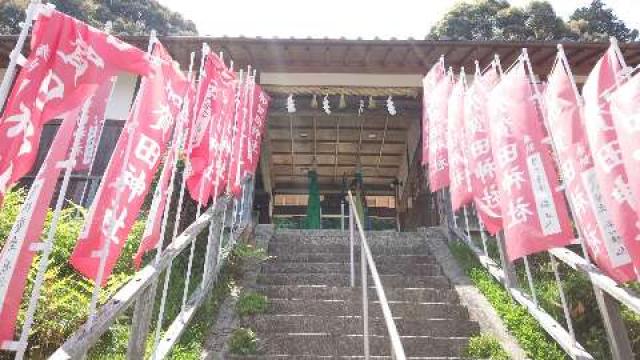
(372, 56)
(342, 141)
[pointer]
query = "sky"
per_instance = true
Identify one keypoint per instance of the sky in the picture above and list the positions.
(343, 18)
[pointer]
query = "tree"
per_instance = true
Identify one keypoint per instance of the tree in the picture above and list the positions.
(497, 20)
(470, 21)
(597, 22)
(129, 17)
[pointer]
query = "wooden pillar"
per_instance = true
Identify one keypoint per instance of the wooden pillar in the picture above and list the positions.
(617, 334)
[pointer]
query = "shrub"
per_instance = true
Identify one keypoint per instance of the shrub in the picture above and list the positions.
(65, 294)
(243, 341)
(486, 347)
(251, 304)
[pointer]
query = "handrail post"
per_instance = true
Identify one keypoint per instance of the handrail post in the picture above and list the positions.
(342, 215)
(510, 279)
(365, 299)
(351, 248)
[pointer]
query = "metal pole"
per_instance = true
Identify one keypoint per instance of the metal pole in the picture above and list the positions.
(176, 225)
(185, 290)
(532, 288)
(47, 246)
(31, 13)
(466, 223)
(365, 299)
(351, 247)
(483, 236)
(104, 252)
(563, 298)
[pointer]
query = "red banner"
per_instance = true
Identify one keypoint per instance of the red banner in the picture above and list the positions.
(260, 107)
(18, 252)
(534, 211)
(240, 137)
(482, 168)
(68, 59)
(609, 171)
(153, 232)
(131, 169)
(438, 153)
(603, 242)
(210, 139)
(460, 187)
(95, 124)
(429, 83)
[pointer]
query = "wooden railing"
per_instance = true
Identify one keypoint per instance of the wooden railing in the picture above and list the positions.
(609, 295)
(140, 293)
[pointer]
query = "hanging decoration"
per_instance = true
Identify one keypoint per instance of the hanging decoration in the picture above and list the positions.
(361, 107)
(314, 101)
(291, 104)
(325, 105)
(391, 107)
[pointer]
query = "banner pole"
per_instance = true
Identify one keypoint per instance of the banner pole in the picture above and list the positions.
(107, 29)
(15, 57)
(466, 222)
(185, 291)
(617, 334)
(563, 298)
(47, 245)
(104, 252)
(483, 236)
(249, 121)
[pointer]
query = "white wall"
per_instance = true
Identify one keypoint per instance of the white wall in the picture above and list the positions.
(122, 97)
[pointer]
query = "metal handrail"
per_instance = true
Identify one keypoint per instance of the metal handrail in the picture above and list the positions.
(366, 258)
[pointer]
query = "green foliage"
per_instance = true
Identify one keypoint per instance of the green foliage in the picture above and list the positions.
(65, 295)
(243, 341)
(498, 20)
(250, 251)
(532, 338)
(485, 347)
(251, 304)
(129, 17)
(597, 22)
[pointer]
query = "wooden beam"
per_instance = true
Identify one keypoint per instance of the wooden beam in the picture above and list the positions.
(487, 57)
(403, 58)
(578, 61)
(387, 55)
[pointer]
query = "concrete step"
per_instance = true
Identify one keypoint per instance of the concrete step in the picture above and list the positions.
(352, 325)
(328, 345)
(355, 294)
(278, 248)
(377, 240)
(386, 268)
(341, 279)
(346, 258)
(350, 357)
(401, 310)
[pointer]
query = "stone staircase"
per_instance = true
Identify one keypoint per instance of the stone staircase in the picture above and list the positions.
(314, 313)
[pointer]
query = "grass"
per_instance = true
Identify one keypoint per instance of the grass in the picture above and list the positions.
(243, 341)
(485, 347)
(251, 304)
(531, 337)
